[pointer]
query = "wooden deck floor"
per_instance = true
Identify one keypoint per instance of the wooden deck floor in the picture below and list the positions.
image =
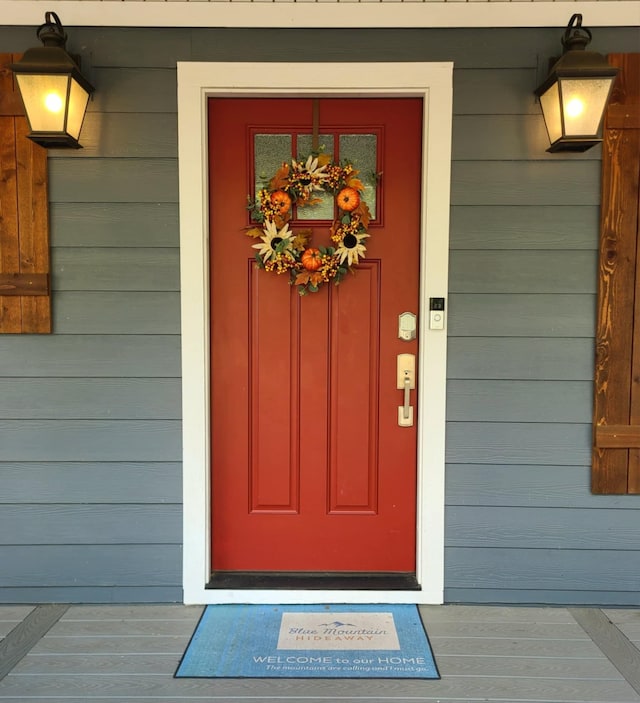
(128, 654)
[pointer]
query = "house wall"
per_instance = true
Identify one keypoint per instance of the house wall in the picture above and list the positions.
(90, 426)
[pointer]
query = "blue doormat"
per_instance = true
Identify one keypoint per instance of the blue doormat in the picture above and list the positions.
(309, 641)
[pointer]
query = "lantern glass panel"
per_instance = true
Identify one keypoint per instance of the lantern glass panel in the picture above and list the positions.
(550, 103)
(583, 104)
(78, 99)
(45, 99)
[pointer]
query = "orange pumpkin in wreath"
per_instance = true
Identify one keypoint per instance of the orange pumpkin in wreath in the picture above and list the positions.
(311, 259)
(348, 199)
(281, 202)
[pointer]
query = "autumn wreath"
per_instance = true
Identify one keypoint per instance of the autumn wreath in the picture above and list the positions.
(281, 250)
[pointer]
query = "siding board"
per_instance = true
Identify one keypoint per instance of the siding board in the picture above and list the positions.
(519, 401)
(543, 569)
(498, 137)
(114, 224)
(91, 482)
(517, 227)
(113, 180)
(121, 134)
(132, 47)
(542, 528)
(116, 312)
(518, 443)
(523, 272)
(117, 269)
(475, 48)
(530, 182)
(134, 90)
(80, 356)
(548, 596)
(95, 594)
(91, 565)
(521, 315)
(90, 440)
(527, 358)
(89, 399)
(94, 524)
(528, 486)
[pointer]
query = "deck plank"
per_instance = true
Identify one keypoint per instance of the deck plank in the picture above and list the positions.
(23, 636)
(497, 614)
(478, 687)
(627, 621)
(613, 643)
(11, 616)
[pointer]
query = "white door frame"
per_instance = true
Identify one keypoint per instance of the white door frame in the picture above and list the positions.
(196, 82)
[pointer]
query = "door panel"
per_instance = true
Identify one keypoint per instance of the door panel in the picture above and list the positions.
(310, 471)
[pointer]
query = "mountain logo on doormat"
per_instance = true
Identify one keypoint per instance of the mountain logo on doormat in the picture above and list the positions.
(349, 631)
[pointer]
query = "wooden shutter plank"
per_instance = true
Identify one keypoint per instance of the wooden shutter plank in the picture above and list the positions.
(24, 284)
(10, 309)
(614, 334)
(618, 436)
(616, 455)
(24, 228)
(33, 214)
(628, 94)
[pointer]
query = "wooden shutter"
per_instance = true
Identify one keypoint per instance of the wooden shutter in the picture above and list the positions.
(616, 454)
(25, 303)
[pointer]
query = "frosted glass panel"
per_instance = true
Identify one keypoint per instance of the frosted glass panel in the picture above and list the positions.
(583, 103)
(324, 209)
(362, 151)
(270, 150)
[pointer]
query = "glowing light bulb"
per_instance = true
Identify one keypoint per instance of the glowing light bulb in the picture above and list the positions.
(53, 102)
(574, 108)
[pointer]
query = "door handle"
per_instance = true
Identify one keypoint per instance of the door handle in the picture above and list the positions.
(407, 393)
(406, 382)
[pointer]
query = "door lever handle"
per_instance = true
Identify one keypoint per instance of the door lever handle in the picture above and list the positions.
(406, 382)
(406, 408)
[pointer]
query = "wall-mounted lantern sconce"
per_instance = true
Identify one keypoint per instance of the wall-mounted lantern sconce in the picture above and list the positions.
(54, 92)
(575, 94)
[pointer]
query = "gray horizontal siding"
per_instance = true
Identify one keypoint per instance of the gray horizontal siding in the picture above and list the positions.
(91, 355)
(114, 224)
(541, 443)
(89, 524)
(521, 315)
(105, 565)
(558, 570)
(520, 358)
(90, 440)
(117, 312)
(121, 134)
(517, 227)
(544, 528)
(520, 401)
(90, 427)
(520, 271)
(141, 90)
(113, 180)
(116, 269)
(91, 594)
(528, 182)
(86, 482)
(528, 485)
(90, 398)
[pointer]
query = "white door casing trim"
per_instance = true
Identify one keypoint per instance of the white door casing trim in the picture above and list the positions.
(198, 81)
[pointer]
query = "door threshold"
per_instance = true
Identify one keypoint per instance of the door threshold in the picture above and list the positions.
(325, 581)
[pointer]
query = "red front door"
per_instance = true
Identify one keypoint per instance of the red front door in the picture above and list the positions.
(310, 470)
